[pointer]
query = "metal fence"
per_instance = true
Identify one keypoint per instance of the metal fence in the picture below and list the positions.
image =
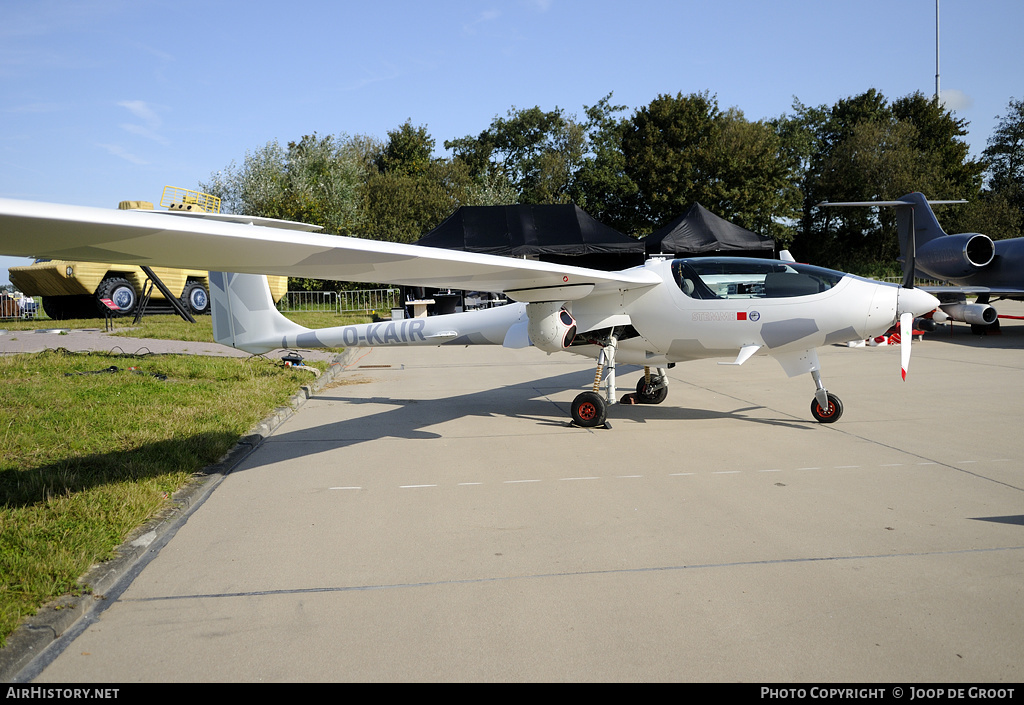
(25, 308)
(361, 301)
(917, 281)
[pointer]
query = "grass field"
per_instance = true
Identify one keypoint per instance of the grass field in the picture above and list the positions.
(88, 454)
(172, 327)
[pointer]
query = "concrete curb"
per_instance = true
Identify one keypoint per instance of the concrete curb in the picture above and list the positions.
(108, 579)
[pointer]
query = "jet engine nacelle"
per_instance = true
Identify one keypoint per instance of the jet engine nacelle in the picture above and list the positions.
(550, 326)
(975, 314)
(955, 256)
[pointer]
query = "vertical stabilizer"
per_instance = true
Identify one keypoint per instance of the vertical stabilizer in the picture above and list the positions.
(919, 217)
(244, 315)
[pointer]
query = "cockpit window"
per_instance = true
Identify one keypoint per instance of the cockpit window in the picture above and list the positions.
(742, 278)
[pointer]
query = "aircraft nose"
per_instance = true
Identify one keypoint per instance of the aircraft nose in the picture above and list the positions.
(915, 301)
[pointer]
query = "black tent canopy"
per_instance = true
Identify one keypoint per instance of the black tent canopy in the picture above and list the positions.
(520, 230)
(699, 231)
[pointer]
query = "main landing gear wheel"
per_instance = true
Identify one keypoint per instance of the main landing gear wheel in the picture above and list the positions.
(647, 394)
(589, 410)
(829, 415)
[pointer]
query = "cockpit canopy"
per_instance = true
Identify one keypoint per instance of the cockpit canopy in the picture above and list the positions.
(744, 278)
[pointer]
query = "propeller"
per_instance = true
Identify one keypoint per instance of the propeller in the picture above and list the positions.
(906, 333)
(910, 302)
(906, 317)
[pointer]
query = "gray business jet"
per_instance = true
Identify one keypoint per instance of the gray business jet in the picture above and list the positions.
(969, 264)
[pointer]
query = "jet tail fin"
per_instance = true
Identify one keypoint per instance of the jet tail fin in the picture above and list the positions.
(920, 218)
(244, 315)
(916, 224)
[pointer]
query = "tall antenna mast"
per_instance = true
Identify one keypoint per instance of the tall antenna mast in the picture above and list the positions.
(936, 52)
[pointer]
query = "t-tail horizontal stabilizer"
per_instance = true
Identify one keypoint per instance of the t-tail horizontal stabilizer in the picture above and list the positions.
(244, 317)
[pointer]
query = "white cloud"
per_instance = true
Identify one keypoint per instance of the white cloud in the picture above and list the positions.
(952, 99)
(119, 151)
(147, 114)
(142, 110)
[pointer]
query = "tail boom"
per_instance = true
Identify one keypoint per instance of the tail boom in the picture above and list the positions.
(244, 317)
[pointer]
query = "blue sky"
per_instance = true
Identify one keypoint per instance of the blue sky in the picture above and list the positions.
(110, 100)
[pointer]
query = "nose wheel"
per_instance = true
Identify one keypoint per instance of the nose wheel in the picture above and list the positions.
(825, 407)
(830, 412)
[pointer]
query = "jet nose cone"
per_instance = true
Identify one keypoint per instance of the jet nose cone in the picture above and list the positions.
(915, 301)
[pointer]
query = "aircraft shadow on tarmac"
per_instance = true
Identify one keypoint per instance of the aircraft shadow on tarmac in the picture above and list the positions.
(403, 418)
(530, 401)
(1017, 519)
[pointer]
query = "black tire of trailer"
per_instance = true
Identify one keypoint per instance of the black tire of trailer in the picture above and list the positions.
(195, 298)
(121, 292)
(63, 308)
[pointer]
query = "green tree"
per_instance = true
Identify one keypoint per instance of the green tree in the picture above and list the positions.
(865, 149)
(939, 136)
(756, 178)
(1005, 155)
(534, 151)
(317, 180)
(992, 213)
(409, 151)
(669, 148)
(683, 150)
(410, 192)
(601, 186)
(402, 208)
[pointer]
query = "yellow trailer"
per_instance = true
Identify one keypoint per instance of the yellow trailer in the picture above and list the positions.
(76, 289)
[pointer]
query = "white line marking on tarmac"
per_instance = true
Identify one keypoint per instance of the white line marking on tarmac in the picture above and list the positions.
(688, 474)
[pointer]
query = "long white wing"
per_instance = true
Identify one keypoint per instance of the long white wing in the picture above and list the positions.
(33, 229)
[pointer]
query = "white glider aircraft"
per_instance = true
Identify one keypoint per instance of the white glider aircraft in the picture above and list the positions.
(663, 312)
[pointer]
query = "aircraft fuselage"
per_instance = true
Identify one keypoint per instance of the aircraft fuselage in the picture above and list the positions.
(707, 307)
(740, 306)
